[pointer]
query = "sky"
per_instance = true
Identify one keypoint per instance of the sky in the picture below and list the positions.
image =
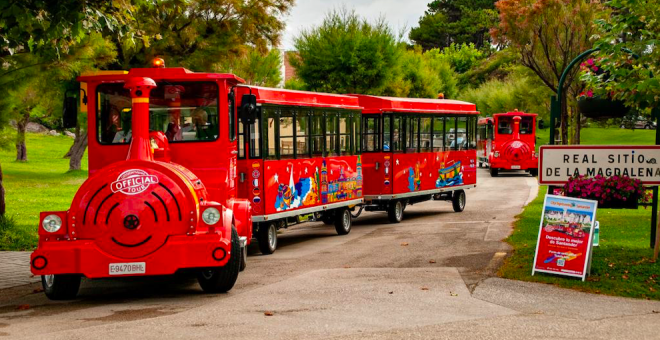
(399, 14)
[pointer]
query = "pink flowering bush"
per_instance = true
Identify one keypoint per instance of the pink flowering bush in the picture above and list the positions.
(606, 190)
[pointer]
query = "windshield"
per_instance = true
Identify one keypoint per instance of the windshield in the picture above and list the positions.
(183, 111)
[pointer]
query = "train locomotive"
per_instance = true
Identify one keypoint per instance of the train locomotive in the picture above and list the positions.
(507, 141)
(161, 196)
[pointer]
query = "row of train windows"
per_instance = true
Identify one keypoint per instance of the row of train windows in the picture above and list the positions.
(282, 132)
(427, 133)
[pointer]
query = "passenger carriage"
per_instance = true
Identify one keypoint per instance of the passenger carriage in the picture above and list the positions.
(415, 150)
(507, 141)
(298, 159)
(162, 193)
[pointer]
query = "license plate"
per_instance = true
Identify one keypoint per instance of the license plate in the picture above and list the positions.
(515, 167)
(127, 268)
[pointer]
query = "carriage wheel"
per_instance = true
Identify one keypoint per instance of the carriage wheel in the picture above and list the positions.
(458, 200)
(395, 211)
(267, 238)
(343, 221)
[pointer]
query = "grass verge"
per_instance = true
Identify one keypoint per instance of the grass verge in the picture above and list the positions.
(622, 265)
(43, 183)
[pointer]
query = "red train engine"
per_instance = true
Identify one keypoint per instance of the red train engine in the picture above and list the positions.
(299, 159)
(162, 191)
(415, 150)
(507, 141)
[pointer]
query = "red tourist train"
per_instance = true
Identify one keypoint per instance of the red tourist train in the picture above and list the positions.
(507, 141)
(185, 168)
(161, 195)
(415, 150)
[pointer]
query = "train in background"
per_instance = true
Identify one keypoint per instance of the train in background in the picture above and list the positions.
(507, 141)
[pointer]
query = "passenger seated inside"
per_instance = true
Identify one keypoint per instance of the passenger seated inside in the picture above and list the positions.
(526, 125)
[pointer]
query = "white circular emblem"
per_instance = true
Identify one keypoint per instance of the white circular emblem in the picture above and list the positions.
(133, 182)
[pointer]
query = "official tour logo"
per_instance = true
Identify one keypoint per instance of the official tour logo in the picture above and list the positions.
(133, 182)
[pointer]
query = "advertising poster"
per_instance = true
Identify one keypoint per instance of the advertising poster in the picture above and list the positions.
(565, 234)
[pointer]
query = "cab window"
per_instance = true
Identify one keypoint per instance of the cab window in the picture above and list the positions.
(504, 126)
(183, 111)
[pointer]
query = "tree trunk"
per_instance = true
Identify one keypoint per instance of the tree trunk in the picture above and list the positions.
(2, 195)
(21, 127)
(77, 149)
(75, 141)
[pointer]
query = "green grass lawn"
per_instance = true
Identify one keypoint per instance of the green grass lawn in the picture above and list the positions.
(622, 265)
(604, 136)
(43, 183)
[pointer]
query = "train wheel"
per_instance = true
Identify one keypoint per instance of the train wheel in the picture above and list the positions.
(343, 221)
(481, 164)
(222, 279)
(494, 172)
(61, 287)
(534, 172)
(395, 212)
(267, 238)
(458, 200)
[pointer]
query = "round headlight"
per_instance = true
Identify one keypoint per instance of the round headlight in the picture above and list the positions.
(52, 223)
(211, 216)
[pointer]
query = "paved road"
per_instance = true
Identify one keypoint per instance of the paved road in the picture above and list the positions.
(430, 277)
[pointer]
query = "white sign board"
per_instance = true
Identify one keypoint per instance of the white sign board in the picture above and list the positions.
(559, 162)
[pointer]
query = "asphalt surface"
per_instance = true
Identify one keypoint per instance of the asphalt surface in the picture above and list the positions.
(430, 277)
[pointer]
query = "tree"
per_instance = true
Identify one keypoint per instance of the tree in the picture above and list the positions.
(549, 34)
(455, 21)
(629, 53)
(256, 68)
(200, 34)
(346, 54)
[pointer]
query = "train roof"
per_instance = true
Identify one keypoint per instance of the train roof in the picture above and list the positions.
(377, 104)
(267, 95)
(515, 113)
(170, 73)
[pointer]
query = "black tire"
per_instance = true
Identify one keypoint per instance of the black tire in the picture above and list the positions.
(222, 279)
(267, 238)
(395, 211)
(458, 200)
(343, 221)
(534, 172)
(494, 172)
(61, 287)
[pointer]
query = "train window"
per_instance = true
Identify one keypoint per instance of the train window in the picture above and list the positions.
(472, 133)
(254, 134)
(450, 133)
(331, 134)
(412, 137)
(231, 118)
(397, 133)
(425, 134)
(241, 141)
(269, 116)
(371, 130)
(317, 133)
(387, 132)
(526, 125)
(357, 132)
(286, 134)
(462, 133)
(504, 126)
(438, 133)
(302, 134)
(344, 133)
(184, 111)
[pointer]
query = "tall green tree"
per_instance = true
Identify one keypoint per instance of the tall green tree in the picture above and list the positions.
(257, 68)
(548, 35)
(449, 22)
(346, 54)
(200, 34)
(629, 42)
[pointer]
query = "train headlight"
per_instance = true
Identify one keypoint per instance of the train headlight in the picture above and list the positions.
(497, 154)
(52, 223)
(211, 216)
